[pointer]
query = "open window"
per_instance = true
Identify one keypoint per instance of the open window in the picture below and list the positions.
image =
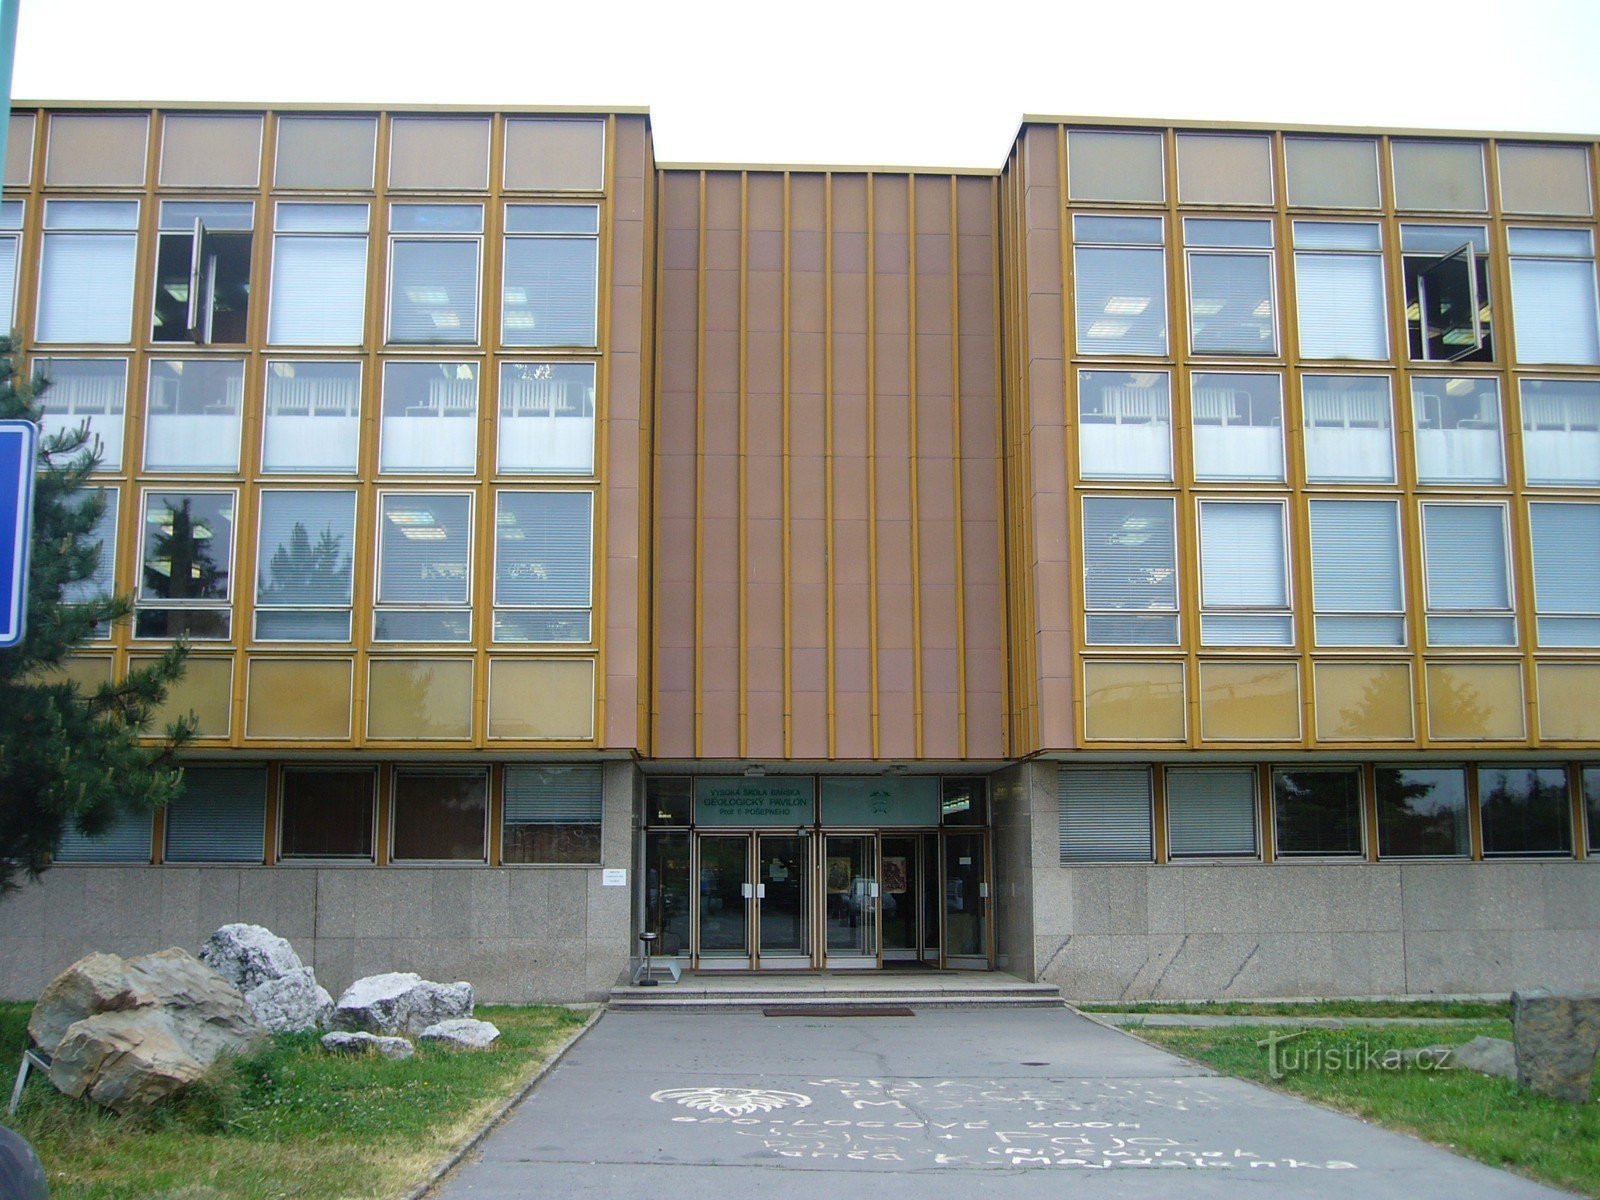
(1447, 292)
(203, 273)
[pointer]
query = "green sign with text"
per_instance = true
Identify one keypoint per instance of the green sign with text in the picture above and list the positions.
(741, 800)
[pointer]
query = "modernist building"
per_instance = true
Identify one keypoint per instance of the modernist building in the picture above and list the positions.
(1167, 565)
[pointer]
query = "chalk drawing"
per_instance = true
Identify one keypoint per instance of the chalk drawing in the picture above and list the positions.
(736, 1102)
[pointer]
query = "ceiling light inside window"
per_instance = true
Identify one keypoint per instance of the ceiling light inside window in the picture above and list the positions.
(1208, 308)
(1108, 329)
(1127, 306)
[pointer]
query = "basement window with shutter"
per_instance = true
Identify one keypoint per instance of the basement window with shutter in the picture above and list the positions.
(1356, 583)
(1566, 573)
(543, 566)
(1318, 813)
(1468, 575)
(552, 272)
(1106, 815)
(125, 840)
(552, 815)
(220, 818)
(1211, 813)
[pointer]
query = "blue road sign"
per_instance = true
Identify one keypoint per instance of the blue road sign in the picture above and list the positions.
(18, 443)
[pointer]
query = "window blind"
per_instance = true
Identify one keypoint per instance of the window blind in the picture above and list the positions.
(553, 795)
(1130, 566)
(1211, 814)
(127, 840)
(542, 551)
(1465, 552)
(319, 291)
(1105, 815)
(102, 582)
(221, 816)
(1554, 311)
(1242, 556)
(425, 551)
(86, 287)
(1566, 572)
(1341, 306)
(550, 288)
(1121, 297)
(8, 282)
(433, 294)
(304, 554)
(1230, 300)
(1355, 556)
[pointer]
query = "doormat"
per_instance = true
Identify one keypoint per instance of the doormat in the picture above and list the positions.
(837, 1010)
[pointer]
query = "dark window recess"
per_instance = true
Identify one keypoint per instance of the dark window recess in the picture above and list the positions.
(439, 817)
(668, 801)
(327, 814)
(1447, 306)
(1526, 811)
(1319, 813)
(965, 802)
(551, 844)
(203, 287)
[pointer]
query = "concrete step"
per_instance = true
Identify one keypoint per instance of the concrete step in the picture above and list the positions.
(748, 994)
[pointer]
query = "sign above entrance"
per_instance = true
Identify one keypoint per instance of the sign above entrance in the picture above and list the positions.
(765, 802)
(878, 801)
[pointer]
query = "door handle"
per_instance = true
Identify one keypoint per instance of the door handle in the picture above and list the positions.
(761, 891)
(746, 891)
(983, 890)
(874, 886)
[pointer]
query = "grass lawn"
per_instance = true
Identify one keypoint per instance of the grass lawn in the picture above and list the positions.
(1466, 1010)
(290, 1121)
(1489, 1119)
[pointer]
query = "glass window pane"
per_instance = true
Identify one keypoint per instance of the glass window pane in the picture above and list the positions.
(1591, 793)
(1125, 425)
(433, 295)
(1211, 813)
(1342, 311)
(430, 417)
(101, 584)
(546, 418)
(1445, 176)
(193, 415)
(425, 550)
(87, 391)
(1552, 243)
(86, 287)
(1238, 425)
(1356, 572)
(1465, 548)
(1337, 235)
(1121, 301)
(1554, 309)
(1105, 815)
(1230, 304)
(319, 289)
(313, 418)
(1349, 436)
(327, 814)
(553, 155)
(91, 214)
(1332, 172)
(1242, 555)
(322, 218)
(125, 840)
(1458, 429)
(1526, 811)
(552, 815)
(1105, 165)
(188, 546)
(1130, 570)
(542, 549)
(552, 218)
(1124, 231)
(180, 215)
(1566, 572)
(304, 562)
(325, 152)
(550, 291)
(1561, 431)
(440, 816)
(436, 218)
(1422, 812)
(1318, 813)
(1226, 168)
(8, 281)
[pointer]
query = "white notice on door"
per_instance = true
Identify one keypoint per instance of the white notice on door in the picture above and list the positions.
(614, 877)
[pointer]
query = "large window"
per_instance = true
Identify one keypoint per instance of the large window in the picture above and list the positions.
(1338, 269)
(433, 283)
(1422, 812)
(1244, 581)
(1349, 428)
(1458, 429)
(543, 558)
(551, 286)
(313, 418)
(552, 815)
(1125, 425)
(1566, 572)
(1446, 271)
(424, 567)
(430, 418)
(193, 415)
(1130, 569)
(1553, 305)
(87, 391)
(203, 273)
(1318, 813)
(1211, 812)
(1561, 431)
(441, 816)
(1526, 811)
(186, 566)
(1238, 426)
(1468, 575)
(1231, 300)
(86, 271)
(546, 418)
(1356, 581)
(1591, 802)
(125, 839)
(1120, 265)
(319, 275)
(303, 566)
(327, 813)
(220, 818)
(1106, 814)
(10, 254)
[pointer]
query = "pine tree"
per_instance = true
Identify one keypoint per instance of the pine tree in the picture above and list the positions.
(70, 759)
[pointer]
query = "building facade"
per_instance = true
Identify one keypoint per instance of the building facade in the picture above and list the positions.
(1166, 566)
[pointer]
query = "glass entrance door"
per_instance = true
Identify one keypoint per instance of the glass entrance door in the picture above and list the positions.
(900, 896)
(783, 900)
(850, 885)
(966, 906)
(726, 894)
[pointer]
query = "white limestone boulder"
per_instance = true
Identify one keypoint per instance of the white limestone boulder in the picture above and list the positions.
(462, 1033)
(249, 955)
(292, 1003)
(400, 1002)
(367, 1043)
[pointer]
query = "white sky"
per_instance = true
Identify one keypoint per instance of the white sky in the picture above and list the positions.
(869, 81)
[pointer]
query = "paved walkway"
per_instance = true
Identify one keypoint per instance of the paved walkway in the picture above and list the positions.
(1219, 1021)
(1011, 1103)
